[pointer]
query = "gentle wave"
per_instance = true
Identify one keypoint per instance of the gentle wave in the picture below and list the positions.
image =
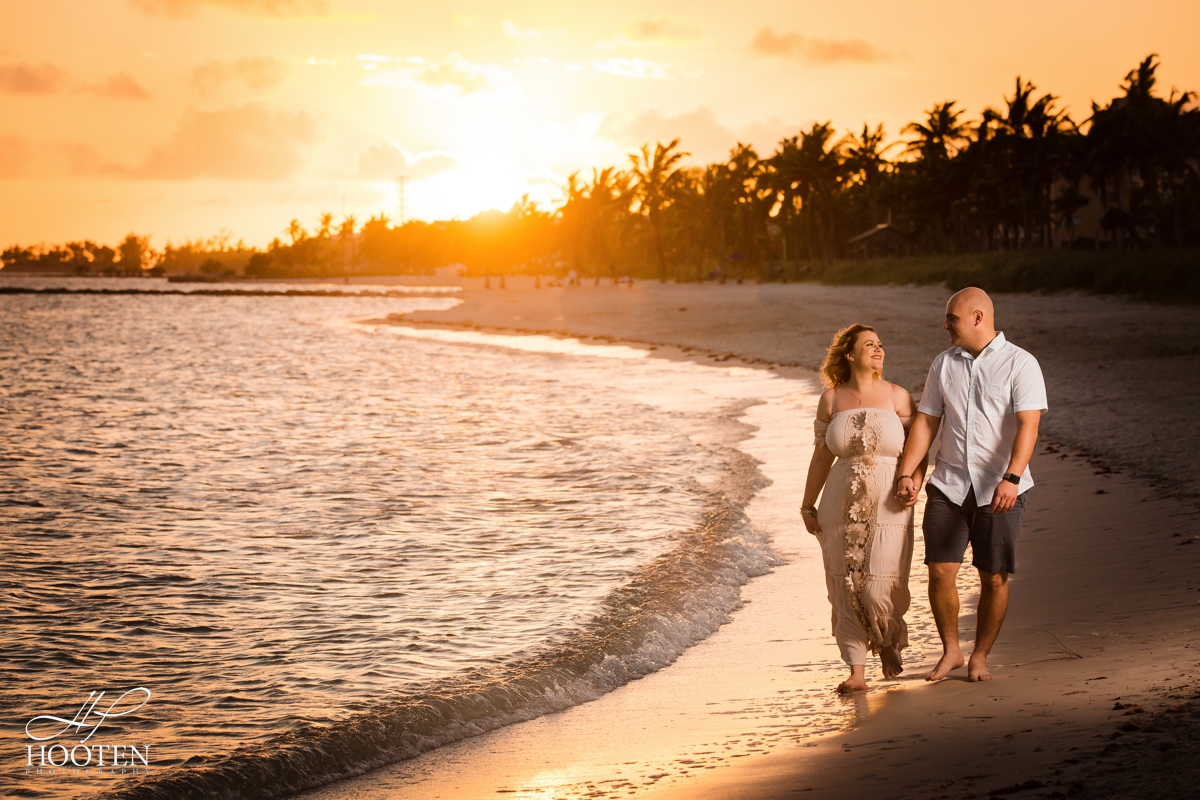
(668, 605)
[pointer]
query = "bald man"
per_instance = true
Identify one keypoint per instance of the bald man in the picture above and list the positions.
(987, 395)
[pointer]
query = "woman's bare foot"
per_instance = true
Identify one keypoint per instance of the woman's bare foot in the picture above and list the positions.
(852, 684)
(857, 682)
(977, 670)
(890, 658)
(950, 661)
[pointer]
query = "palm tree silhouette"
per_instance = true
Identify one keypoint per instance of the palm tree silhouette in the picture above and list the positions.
(937, 179)
(867, 164)
(1026, 141)
(657, 178)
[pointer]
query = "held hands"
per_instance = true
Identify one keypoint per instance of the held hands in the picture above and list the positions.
(1005, 497)
(810, 520)
(907, 491)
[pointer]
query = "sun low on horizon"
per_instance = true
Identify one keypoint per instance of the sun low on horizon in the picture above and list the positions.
(184, 119)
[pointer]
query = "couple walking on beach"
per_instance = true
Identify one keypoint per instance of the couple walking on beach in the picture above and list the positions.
(986, 395)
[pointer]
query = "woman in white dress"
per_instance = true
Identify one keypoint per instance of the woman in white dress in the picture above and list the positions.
(866, 534)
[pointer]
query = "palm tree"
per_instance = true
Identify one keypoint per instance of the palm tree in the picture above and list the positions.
(939, 182)
(326, 229)
(866, 164)
(1122, 145)
(941, 135)
(589, 214)
(657, 178)
(807, 172)
(730, 205)
(345, 233)
(1027, 142)
(1177, 143)
(573, 219)
(609, 195)
(296, 232)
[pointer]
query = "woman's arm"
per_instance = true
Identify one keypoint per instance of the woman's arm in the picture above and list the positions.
(818, 471)
(818, 467)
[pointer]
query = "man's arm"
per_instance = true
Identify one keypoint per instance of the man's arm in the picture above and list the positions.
(916, 449)
(1006, 493)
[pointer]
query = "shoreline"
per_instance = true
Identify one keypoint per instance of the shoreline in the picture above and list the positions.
(1120, 602)
(1097, 353)
(719, 701)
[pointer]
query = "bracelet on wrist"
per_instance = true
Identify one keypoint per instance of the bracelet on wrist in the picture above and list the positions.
(808, 511)
(902, 477)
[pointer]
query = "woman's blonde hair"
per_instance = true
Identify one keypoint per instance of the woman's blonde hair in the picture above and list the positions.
(836, 368)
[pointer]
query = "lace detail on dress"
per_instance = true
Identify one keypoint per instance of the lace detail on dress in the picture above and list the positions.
(862, 506)
(819, 431)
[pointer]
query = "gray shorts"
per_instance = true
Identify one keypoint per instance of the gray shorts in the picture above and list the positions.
(949, 527)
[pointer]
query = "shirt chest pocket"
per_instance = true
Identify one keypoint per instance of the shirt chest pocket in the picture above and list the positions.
(995, 398)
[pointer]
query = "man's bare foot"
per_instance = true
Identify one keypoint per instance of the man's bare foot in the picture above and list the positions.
(950, 661)
(977, 670)
(892, 665)
(852, 684)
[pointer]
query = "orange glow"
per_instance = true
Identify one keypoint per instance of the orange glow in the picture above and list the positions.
(181, 118)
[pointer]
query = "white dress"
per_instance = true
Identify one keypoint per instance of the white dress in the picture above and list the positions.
(866, 533)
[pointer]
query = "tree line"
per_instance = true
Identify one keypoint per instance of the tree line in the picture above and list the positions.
(1015, 178)
(131, 258)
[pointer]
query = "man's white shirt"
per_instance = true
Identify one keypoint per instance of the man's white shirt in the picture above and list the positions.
(978, 399)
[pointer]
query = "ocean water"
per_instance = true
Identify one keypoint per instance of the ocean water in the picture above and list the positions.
(320, 545)
(32, 282)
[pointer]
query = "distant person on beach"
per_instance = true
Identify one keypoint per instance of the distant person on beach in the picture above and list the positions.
(866, 533)
(987, 395)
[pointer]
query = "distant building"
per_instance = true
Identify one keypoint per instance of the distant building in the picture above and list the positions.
(880, 242)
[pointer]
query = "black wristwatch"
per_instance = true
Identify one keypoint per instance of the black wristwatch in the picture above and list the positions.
(1014, 478)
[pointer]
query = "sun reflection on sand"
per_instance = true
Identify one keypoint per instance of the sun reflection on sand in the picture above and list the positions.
(550, 783)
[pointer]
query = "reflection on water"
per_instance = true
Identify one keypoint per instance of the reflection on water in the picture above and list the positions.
(73, 283)
(271, 520)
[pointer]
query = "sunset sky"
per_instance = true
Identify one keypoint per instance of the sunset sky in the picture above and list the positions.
(183, 118)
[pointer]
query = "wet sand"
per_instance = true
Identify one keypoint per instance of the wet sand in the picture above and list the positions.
(1101, 650)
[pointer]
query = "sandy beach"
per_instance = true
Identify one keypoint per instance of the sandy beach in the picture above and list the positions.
(1097, 690)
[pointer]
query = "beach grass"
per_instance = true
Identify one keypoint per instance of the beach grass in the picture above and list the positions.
(1166, 275)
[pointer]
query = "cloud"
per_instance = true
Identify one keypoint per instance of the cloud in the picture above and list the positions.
(699, 132)
(261, 8)
(429, 165)
(79, 159)
(29, 79)
(259, 74)
(456, 73)
(816, 51)
(386, 161)
(15, 156)
(382, 161)
(514, 31)
(637, 68)
(651, 32)
(661, 30)
(120, 86)
(252, 143)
